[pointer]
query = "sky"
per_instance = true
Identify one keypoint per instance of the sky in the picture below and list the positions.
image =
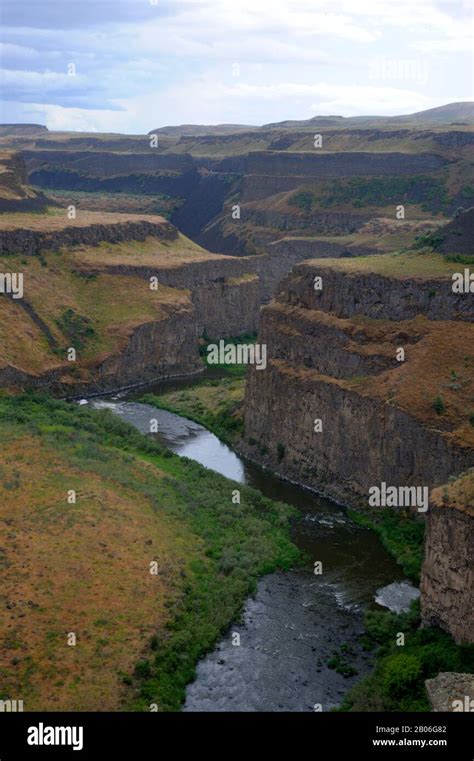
(132, 66)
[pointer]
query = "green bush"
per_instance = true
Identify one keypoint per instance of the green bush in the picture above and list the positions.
(77, 328)
(303, 200)
(400, 674)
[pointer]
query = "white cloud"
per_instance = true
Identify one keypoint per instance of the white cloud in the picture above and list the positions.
(173, 62)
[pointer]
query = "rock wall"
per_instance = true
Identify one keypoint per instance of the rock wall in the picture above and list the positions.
(227, 308)
(375, 295)
(316, 359)
(451, 692)
(16, 195)
(314, 164)
(447, 579)
(29, 242)
(316, 222)
(363, 442)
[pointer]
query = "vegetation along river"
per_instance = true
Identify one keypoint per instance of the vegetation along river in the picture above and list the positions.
(298, 620)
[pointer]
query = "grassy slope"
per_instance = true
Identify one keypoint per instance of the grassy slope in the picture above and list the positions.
(399, 264)
(85, 567)
(215, 404)
(115, 202)
(110, 306)
(55, 219)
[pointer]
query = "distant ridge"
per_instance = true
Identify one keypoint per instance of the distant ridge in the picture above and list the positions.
(451, 114)
(461, 113)
(197, 130)
(22, 130)
(463, 110)
(447, 114)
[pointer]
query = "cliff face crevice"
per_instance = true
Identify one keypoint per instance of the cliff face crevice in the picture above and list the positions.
(447, 580)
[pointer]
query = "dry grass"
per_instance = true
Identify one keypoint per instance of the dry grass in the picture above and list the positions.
(56, 219)
(413, 265)
(151, 252)
(439, 362)
(80, 568)
(458, 494)
(115, 305)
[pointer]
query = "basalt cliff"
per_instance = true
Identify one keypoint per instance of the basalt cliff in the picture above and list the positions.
(447, 581)
(369, 376)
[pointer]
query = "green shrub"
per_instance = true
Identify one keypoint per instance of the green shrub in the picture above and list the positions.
(303, 200)
(77, 328)
(400, 674)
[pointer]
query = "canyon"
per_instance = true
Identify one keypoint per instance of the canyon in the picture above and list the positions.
(368, 377)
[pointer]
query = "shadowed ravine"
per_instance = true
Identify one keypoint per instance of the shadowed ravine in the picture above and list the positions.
(297, 620)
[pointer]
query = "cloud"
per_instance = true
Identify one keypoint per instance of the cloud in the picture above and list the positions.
(140, 65)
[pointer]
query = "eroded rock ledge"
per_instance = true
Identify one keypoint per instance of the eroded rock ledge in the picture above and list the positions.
(37, 235)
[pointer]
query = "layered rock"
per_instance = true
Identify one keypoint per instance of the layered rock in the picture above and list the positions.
(447, 580)
(89, 229)
(332, 358)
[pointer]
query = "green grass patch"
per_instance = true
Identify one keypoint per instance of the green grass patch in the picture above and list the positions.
(76, 327)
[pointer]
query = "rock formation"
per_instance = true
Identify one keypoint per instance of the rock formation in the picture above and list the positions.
(447, 580)
(339, 407)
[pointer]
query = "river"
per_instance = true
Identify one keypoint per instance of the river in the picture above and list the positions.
(297, 620)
